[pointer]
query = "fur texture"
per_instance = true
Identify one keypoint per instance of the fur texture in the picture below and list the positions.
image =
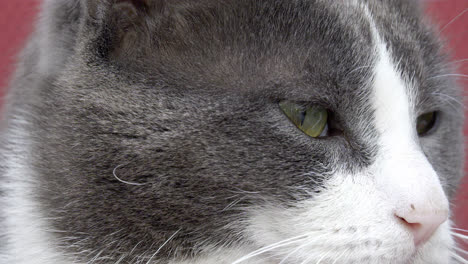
(149, 132)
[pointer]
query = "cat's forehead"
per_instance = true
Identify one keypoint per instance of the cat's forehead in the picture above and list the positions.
(303, 49)
(313, 51)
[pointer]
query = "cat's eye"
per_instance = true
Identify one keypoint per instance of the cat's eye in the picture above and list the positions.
(312, 120)
(425, 123)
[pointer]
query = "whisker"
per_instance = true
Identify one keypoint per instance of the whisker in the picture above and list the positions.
(456, 61)
(308, 259)
(323, 256)
(126, 182)
(232, 204)
(121, 259)
(96, 257)
(279, 244)
(133, 249)
(453, 20)
(159, 249)
(449, 99)
(464, 237)
(341, 255)
(459, 229)
(358, 69)
(459, 259)
(241, 191)
(255, 253)
(461, 250)
(299, 248)
(447, 75)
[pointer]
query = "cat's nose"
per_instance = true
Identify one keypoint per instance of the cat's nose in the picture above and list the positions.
(422, 220)
(414, 193)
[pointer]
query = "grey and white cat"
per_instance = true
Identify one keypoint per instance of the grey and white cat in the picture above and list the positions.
(231, 131)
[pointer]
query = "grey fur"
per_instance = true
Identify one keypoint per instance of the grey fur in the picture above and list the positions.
(181, 98)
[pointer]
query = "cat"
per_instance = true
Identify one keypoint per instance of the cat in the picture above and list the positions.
(235, 131)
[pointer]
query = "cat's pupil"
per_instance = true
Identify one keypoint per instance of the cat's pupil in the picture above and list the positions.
(303, 115)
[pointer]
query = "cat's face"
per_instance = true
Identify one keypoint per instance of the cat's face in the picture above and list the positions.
(165, 137)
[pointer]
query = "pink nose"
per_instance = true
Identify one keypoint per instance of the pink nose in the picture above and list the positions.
(422, 223)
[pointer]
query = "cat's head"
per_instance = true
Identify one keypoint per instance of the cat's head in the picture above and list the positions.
(311, 130)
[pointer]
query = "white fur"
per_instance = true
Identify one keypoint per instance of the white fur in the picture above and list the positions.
(28, 241)
(353, 221)
(402, 171)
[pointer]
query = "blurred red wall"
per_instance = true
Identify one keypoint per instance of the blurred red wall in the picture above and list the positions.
(16, 19)
(17, 16)
(452, 18)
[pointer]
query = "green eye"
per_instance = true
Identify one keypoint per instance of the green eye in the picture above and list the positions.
(425, 122)
(311, 120)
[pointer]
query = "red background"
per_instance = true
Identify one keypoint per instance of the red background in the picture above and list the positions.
(17, 16)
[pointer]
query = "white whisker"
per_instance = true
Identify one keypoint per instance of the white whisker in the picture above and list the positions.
(449, 100)
(462, 251)
(232, 204)
(358, 69)
(341, 255)
(121, 259)
(299, 248)
(459, 259)
(279, 244)
(457, 61)
(448, 75)
(165, 243)
(464, 237)
(96, 257)
(453, 20)
(133, 249)
(459, 229)
(126, 182)
(323, 256)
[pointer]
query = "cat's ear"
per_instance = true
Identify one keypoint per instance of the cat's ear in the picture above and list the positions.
(119, 27)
